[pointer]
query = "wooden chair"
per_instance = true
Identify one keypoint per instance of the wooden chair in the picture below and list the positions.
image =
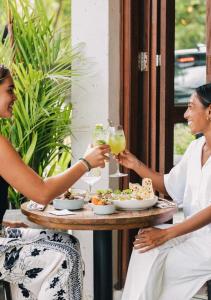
(209, 289)
(6, 290)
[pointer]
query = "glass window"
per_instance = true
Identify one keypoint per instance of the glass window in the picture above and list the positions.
(190, 50)
(182, 138)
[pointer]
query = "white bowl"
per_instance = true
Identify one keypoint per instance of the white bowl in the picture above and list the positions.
(134, 204)
(103, 209)
(72, 204)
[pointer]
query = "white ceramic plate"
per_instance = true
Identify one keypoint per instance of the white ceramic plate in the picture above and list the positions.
(134, 204)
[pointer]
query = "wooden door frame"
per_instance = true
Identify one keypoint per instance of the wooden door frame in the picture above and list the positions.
(166, 97)
(128, 107)
(208, 41)
(142, 112)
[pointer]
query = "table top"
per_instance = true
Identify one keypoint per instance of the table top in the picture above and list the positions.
(85, 219)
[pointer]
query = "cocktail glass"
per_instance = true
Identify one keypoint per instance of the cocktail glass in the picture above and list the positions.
(91, 178)
(117, 143)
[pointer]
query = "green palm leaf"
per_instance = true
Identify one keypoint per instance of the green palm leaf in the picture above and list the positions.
(43, 74)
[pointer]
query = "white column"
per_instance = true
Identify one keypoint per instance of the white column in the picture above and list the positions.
(95, 96)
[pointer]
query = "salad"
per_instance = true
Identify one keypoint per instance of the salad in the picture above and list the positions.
(134, 192)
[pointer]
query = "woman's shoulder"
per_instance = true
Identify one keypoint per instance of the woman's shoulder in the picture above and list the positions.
(198, 141)
(194, 146)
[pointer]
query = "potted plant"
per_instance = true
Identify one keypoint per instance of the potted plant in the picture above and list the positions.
(42, 65)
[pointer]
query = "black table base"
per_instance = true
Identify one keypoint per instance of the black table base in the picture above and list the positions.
(103, 281)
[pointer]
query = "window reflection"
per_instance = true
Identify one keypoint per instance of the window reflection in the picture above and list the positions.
(190, 53)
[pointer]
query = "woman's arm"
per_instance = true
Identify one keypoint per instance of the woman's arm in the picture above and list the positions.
(31, 185)
(150, 238)
(129, 161)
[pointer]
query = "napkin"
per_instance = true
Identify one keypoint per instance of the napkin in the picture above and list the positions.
(62, 212)
(35, 206)
(163, 203)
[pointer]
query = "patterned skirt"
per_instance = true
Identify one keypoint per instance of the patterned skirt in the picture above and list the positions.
(41, 264)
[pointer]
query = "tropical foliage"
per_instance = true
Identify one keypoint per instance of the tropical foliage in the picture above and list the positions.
(182, 138)
(42, 63)
(190, 23)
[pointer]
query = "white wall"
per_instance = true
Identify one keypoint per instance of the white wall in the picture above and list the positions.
(95, 97)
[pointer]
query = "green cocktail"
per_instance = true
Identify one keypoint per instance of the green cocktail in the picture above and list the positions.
(99, 135)
(117, 143)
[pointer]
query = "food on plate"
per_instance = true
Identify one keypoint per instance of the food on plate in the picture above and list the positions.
(96, 200)
(135, 192)
(144, 191)
(71, 195)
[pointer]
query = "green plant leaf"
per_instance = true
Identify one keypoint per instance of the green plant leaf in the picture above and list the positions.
(27, 157)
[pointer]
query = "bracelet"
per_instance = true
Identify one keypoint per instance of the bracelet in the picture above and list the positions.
(86, 163)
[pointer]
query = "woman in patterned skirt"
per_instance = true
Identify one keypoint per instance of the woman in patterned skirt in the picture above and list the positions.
(41, 264)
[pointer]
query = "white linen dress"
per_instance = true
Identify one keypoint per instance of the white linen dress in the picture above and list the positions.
(177, 269)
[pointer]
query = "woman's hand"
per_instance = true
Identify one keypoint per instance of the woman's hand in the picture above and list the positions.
(150, 238)
(96, 156)
(127, 159)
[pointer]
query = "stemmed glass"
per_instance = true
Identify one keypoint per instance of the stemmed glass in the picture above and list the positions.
(91, 178)
(117, 143)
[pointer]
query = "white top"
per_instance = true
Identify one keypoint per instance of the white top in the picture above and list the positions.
(189, 183)
(185, 261)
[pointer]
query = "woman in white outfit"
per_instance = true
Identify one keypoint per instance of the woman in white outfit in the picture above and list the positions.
(41, 264)
(172, 262)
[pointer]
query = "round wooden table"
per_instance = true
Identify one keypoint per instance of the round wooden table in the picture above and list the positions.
(102, 225)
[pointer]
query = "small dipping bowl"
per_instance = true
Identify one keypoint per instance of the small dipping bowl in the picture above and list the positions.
(103, 209)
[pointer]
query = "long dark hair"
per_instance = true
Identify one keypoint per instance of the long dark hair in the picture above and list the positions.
(4, 73)
(204, 94)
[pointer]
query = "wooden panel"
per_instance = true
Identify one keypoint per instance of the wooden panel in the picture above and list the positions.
(178, 114)
(132, 116)
(153, 86)
(147, 97)
(145, 47)
(125, 71)
(167, 25)
(208, 40)
(126, 77)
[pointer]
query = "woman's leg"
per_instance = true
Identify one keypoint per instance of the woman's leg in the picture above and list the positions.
(145, 273)
(187, 268)
(55, 266)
